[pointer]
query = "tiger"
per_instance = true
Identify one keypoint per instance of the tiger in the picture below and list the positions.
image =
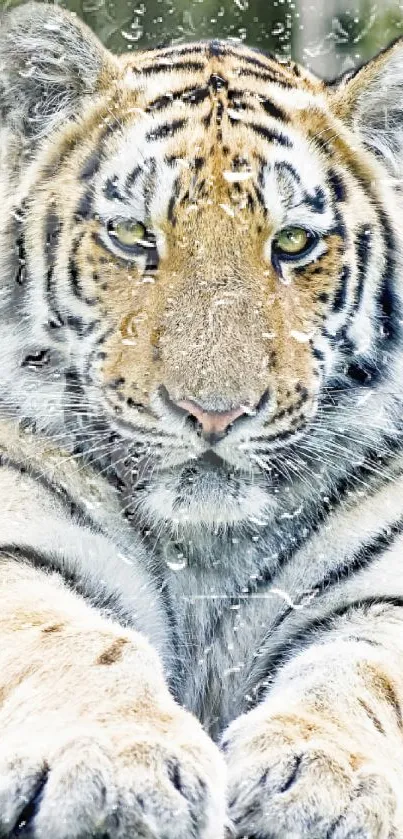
(201, 430)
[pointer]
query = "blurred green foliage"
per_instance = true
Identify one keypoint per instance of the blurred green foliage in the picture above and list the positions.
(308, 29)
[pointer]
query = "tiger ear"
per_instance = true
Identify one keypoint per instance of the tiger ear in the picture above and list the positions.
(370, 100)
(49, 61)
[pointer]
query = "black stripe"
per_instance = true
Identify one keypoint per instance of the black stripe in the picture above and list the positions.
(90, 167)
(272, 78)
(149, 185)
(74, 274)
(170, 67)
(364, 372)
(340, 297)
(111, 189)
(76, 284)
(131, 179)
(270, 135)
(237, 93)
(284, 167)
(364, 557)
(388, 303)
(323, 145)
(363, 244)
(318, 516)
(53, 228)
(370, 714)
(166, 129)
(217, 82)
(36, 360)
(308, 635)
(21, 274)
(100, 242)
(270, 65)
(337, 185)
(85, 207)
(60, 492)
(259, 197)
(317, 201)
(179, 51)
(274, 111)
(106, 601)
(255, 62)
(78, 325)
(302, 638)
(190, 95)
(172, 201)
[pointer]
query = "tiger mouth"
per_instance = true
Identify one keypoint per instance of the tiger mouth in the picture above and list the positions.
(208, 463)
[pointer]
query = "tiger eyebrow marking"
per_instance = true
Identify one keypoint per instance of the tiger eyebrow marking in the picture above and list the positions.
(131, 178)
(288, 181)
(317, 201)
(284, 167)
(110, 189)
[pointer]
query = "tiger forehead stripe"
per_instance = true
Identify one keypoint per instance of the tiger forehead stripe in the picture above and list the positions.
(271, 135)
(168, 67)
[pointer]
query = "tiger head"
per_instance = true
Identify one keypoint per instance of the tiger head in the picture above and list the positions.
(204, 242)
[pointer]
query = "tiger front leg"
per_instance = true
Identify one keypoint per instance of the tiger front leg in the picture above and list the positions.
(322, 755)
(92, 743)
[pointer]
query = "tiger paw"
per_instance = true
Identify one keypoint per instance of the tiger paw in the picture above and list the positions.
(293, 776)
(162, 781)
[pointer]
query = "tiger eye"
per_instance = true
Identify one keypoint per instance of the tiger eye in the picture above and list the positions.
(292, 240)
(127, 232)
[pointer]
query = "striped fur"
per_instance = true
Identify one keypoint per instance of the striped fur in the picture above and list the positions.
(262, 567)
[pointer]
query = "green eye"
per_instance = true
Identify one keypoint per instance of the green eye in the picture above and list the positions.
(293, 242)
(127, 232)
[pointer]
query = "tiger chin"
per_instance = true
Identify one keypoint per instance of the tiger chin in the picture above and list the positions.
(201, 471)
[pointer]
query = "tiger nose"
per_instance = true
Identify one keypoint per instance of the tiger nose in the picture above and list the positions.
(214, 424)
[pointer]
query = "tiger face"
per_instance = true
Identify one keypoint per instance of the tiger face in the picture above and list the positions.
(207, 235)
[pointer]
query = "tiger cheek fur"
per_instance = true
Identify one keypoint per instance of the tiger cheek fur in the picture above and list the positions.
(200, 441)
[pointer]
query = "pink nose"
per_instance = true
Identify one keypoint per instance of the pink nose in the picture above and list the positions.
(212, 422)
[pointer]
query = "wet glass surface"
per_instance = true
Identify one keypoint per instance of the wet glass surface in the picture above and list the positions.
(329, 36)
